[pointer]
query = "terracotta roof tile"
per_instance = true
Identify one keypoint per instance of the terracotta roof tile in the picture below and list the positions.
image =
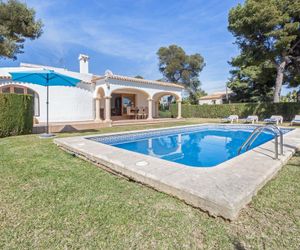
(138, 80)
(5, 77)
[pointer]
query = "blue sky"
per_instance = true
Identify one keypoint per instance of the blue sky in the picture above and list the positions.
(124, 35)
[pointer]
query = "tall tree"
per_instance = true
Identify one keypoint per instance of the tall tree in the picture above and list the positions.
(178, 67)
(268, 33)
(17, 22)
(251, 83)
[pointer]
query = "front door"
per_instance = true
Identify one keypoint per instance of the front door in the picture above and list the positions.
(119, 104)
(116, 105)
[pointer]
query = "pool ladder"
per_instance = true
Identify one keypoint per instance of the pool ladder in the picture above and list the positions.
(257, 131)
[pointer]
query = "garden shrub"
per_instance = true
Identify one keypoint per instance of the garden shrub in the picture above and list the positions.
(262, 110)
(16, 114)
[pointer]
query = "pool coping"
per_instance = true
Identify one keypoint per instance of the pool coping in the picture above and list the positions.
(222, 190)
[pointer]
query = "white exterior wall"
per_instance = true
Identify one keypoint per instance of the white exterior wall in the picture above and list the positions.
(141, 100)
(71, 103)
(65, 103)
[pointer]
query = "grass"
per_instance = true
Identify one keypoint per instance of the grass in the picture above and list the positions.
(52, 200)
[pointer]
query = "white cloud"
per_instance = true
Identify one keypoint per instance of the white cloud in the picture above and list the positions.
(133, 33)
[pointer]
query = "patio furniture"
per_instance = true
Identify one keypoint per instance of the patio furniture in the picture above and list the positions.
(231, 118)
(296, 120)
(274, 119)
(130, 112)
(250, 119)
(141, 113)
(146, 112)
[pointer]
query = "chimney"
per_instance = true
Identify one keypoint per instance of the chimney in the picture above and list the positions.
(83, 64)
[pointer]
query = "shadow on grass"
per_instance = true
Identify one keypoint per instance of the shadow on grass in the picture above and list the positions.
(238, 245)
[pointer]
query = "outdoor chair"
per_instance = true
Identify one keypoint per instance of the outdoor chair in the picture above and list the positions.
(231, 119)
(274, 119)
(140, 113)
(145, 112)
(296, 120)
(130, 113)
(250, 119)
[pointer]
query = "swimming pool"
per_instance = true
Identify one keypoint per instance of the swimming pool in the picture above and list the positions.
(195, 146)
(179, 161)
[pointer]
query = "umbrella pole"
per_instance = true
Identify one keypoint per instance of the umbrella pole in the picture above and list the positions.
(47, 134)
(47, 107)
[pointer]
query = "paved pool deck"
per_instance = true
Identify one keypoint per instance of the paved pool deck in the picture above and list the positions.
(222, 190)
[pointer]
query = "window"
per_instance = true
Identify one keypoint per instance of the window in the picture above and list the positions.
(17, 89)
(30, 92)
(5, 90)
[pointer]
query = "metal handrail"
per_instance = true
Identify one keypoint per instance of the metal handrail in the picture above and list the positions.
(257, 131)
(280, 135)
(249, 139)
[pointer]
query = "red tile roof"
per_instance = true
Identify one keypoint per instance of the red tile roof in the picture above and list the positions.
(138, 80)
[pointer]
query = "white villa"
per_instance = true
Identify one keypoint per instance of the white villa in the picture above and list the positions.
(96, 99)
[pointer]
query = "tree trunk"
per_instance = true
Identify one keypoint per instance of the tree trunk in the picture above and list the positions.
(279, 80)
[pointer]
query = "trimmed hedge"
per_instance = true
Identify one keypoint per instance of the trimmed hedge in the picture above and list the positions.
(16, 114)
(165, 114)
(262, 110)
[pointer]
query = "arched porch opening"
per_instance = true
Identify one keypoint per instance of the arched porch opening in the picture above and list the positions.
(162, 102)
(100, 93)
(23, 90)
(99, 105)
(129, 103)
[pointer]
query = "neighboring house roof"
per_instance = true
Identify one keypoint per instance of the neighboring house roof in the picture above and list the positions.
(87, 78)
(215, 96)
(137, 80)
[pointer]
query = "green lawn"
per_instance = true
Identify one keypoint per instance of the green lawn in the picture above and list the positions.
(50, 199)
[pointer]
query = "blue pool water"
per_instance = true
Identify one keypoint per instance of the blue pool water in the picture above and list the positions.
(200, 146)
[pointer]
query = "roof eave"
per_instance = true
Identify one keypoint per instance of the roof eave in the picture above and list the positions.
(137, 80)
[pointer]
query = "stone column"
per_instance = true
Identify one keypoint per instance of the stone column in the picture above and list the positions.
(150, 101)
(107, 109)
(179, 110)
(97, 116)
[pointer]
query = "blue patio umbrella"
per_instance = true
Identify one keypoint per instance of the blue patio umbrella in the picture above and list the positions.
(45, 78)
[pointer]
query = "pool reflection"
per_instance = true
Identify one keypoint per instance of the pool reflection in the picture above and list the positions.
(199, 149)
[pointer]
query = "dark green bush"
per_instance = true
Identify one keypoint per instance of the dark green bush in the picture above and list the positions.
(16, 114)
(165, 114)
(262, 110)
